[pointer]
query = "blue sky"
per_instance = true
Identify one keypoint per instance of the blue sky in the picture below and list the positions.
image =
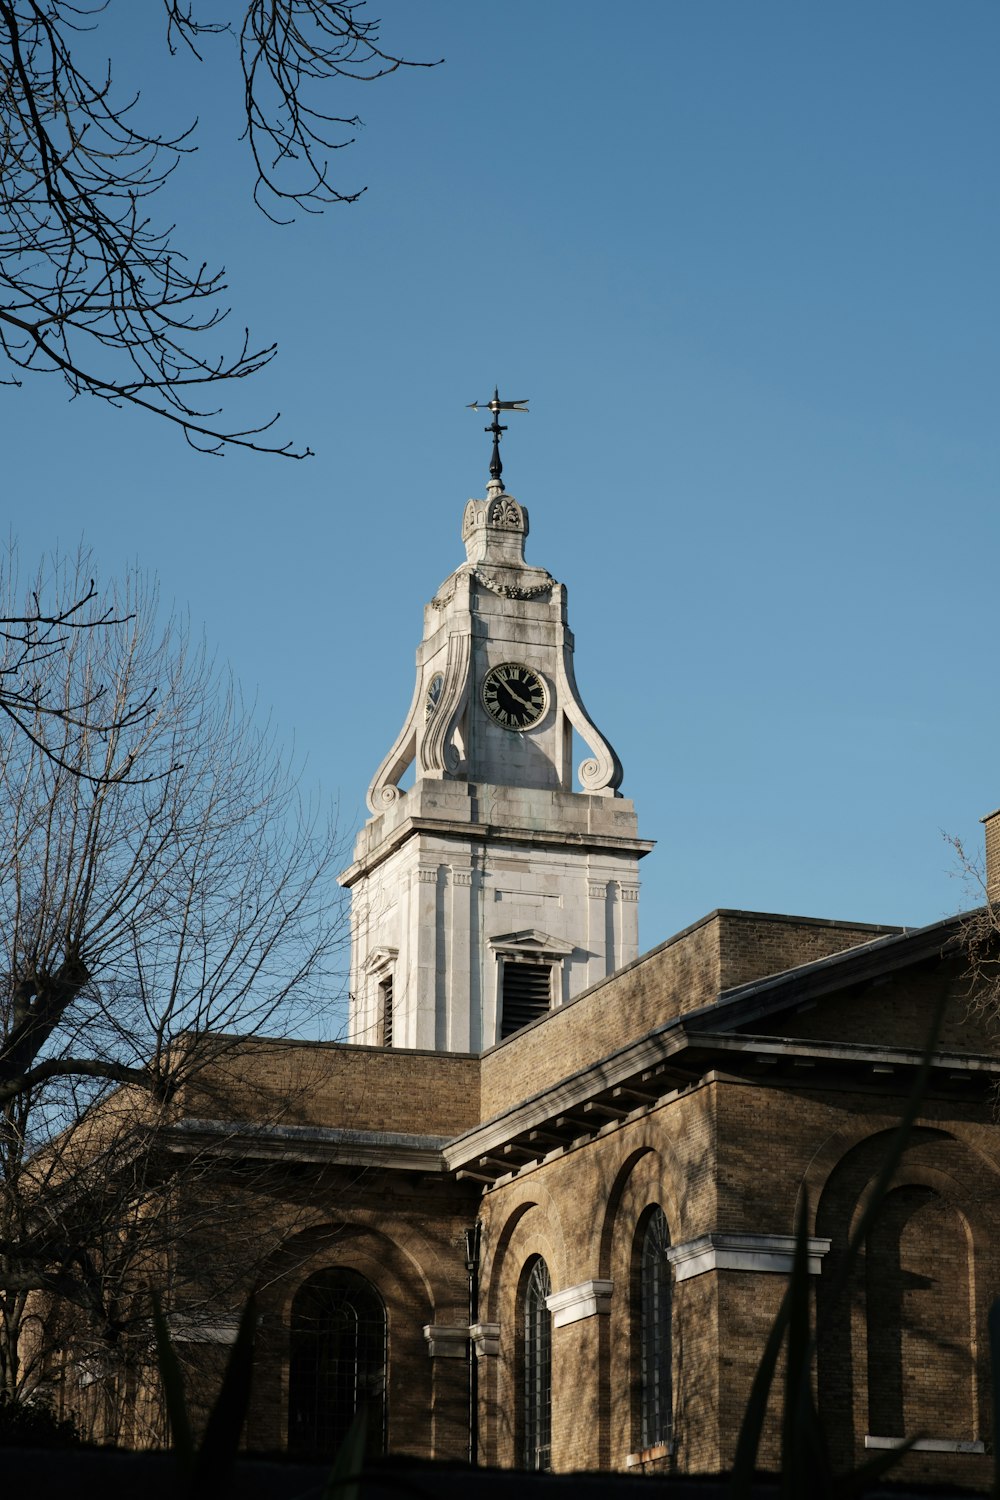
(742, 260)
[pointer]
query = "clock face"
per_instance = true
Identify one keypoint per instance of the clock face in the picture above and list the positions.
(433, 694)
(514, 696)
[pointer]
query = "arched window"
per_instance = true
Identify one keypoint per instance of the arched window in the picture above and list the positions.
(537, 1369)
(337, 1363)
(653, 1341)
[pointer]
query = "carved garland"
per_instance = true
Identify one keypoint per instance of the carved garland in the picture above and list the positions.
(445, 597)
(511, 590)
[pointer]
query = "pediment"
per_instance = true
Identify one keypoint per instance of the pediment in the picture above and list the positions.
(380, 958)
(530, 941)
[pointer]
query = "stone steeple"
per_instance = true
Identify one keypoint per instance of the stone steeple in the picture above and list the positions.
(491, 888)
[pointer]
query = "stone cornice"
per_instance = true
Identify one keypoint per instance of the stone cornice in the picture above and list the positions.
(571, 1093)
(929, 1445)
(313, 1143)
(514, 833)
(858, 1053)
(485, 1338)
(447, 1340)
(193, 1330)
(676, 1055)
(736, 1251)
(582, 1301)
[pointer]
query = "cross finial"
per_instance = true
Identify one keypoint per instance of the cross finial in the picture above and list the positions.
(496, 406)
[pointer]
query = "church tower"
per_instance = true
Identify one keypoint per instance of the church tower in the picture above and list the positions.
(490, 890)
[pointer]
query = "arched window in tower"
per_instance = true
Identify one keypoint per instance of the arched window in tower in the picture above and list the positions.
(652, 1341)
(337, 1362)
(536, 1372)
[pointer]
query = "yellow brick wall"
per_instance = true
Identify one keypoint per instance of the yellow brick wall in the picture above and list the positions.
(355, 1088)
(688, 971)
(734, 1156)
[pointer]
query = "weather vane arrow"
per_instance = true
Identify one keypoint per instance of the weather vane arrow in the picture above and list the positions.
(496, 406)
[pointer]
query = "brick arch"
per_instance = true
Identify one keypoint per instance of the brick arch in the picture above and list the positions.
(407, 1291)
(857, 1132)
(334, 1244)
(646, 1174)
(926, 1264)
(546, 1228)
(531, 1227)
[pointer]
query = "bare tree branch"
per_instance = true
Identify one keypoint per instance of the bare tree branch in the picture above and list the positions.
(30, 639)
(981, 941)
(146, 922)
(91, 287)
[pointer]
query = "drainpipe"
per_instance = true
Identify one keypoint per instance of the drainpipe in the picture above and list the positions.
(472, 1242)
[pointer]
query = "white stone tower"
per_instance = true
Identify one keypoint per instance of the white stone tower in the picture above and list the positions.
(489, 890)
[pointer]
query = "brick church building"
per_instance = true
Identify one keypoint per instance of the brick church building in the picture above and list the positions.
(539, 1207)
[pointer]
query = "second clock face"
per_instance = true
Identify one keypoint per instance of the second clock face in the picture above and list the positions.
(433, 694)
(514, 696)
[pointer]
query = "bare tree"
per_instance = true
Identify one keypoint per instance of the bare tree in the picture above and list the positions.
(28, 642)
(145, 922)
(980, 939)
(92, 288)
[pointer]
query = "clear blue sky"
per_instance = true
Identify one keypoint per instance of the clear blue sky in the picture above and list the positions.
(743, 261)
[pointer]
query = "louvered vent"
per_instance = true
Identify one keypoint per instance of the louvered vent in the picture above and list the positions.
(527, 994)
(385, 991)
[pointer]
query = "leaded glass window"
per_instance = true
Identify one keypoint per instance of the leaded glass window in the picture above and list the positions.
(655, 1396)
(537, 1372)
(338, 1361)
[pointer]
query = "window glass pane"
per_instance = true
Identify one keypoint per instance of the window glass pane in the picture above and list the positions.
(337, 1361)
(654, 1333)
(537, 1370)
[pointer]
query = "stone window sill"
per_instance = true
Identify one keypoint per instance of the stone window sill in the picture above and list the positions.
(929, 1445)
(649, 1456)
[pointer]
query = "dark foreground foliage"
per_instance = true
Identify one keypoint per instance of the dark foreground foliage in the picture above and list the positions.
(34, 1424)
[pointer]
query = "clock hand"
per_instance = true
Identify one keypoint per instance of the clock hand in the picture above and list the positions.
(524, 702)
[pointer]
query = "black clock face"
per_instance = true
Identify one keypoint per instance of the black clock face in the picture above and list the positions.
(433, 694)
(514, 696)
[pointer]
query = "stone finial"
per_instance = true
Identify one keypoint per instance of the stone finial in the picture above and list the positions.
(494, 529)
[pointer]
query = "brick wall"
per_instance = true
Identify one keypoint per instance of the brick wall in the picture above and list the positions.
(992, 828)
(404, 1234)
(681, 974)
(688, 971)
(733, 1156)
(898, 1014)
(358, 1088)
(755, 944)
(581, 1212)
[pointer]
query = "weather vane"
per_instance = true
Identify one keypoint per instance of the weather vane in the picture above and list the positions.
(496, 406)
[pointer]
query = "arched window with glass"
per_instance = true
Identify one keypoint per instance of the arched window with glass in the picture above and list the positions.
(653, 1340)
(337, 1362)
(536, 1369)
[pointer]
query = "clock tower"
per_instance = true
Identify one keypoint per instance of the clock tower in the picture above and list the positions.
(491, 888)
